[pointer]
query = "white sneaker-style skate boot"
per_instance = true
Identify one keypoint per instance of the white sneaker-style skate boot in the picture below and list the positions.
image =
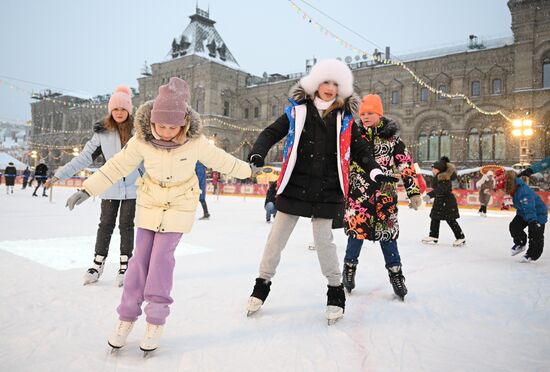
(118, 338)
(336, 303)
(517, 249)
(459, 242)
(151, 340)
(430, 240)
(94, 272)
(122, 270)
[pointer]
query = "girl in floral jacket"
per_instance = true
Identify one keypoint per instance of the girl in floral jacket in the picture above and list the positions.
(372, 214)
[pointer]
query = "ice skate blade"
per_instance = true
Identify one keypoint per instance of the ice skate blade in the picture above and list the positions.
(518, 251)
(147, 353)
(333, 321)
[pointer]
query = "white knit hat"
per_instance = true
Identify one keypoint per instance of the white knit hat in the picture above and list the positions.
(329, 69)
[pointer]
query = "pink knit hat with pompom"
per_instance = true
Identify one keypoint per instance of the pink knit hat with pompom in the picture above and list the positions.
(121, 98)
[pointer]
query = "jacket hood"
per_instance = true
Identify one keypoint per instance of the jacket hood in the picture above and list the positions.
(389, 128)
(99, 127)
(142, 122)
(298, 93)
(448, 174)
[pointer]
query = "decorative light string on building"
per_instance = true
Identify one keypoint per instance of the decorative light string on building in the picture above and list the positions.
(229, 125)
(53, 100)
(243, 143)
(54, 147)
(379, 59)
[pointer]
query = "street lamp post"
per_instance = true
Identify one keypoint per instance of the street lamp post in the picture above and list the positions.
(523, 128)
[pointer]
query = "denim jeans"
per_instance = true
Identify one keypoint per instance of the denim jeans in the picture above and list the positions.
(270, 211)
(389, 249)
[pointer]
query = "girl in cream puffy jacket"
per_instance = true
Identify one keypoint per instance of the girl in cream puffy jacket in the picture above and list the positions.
(169, 141)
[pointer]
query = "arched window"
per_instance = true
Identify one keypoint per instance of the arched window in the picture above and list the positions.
(442, 88)
(500, 144)
(473, 145)
(245, 150)
(496, 86)
(433, 148)
(444, 144)
(422, 146)
(476, 88)
(487, 144)
(546, 73)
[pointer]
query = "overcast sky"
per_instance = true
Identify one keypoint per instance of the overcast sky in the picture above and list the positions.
(92, 46)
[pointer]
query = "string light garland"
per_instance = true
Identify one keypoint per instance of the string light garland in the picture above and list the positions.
(229, 125)
(53, 100)
(385, 61)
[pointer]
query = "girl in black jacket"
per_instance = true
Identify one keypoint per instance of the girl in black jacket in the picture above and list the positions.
(320, 138)
(444, 206)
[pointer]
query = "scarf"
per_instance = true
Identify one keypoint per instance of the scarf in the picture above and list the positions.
(322, 105)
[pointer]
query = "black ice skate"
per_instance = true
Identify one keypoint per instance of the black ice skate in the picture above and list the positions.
(336, 303)
(397, 281)
(348, 276)
(258, 296)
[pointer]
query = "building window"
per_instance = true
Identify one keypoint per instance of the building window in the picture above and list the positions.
(497, 86)
(433, 146)
(422, 146)
(442, 88)
(274, 110)
(546, 73)
(256, 112)
(473, 145)
(444, 144)
(423, 94)
(225, 108)
(381, 96)
(198, 106)
(486, 145)
(500, 144)
(246, 113)
(476, 88)
(395, 97)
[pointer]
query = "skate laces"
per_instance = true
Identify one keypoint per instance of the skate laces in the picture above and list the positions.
(349, 272)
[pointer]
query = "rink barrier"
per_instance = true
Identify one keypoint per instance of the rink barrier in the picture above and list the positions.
(464, 198)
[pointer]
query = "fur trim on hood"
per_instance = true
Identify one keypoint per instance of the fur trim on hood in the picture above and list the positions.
(388, 129)
(329, 69)
(449, 173)
(299, 94)
(142, 122)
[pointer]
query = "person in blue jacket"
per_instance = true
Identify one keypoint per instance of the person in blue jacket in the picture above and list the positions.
(200, 170)
(110, 136)
(531, 212)
(536, 167)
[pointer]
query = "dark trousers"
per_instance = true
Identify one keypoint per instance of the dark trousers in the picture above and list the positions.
(453, 224)
(536, 236)
(483, 208)
(40, 182)
(107, 221)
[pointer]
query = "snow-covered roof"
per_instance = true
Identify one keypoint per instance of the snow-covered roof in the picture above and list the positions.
(201, 38)
(5, 159)
(454, 49)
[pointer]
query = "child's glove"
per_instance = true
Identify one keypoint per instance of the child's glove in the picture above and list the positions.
(527, 172)
(426, 198)
(256, 159)
(415, 202)
(49, 183)
(255, 170)
(382, 178)
(77, 198)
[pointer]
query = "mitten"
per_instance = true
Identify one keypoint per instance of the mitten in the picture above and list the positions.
(256, 159)
(415, 202)
(77, 198)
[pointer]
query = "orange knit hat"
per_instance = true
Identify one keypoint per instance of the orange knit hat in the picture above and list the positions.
(371, 103)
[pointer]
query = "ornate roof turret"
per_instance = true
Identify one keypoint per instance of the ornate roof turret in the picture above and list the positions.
(201, 38)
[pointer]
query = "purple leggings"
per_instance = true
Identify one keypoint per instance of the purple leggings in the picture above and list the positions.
(149, 277)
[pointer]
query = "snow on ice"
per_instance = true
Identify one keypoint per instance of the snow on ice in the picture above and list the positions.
(472, 308)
